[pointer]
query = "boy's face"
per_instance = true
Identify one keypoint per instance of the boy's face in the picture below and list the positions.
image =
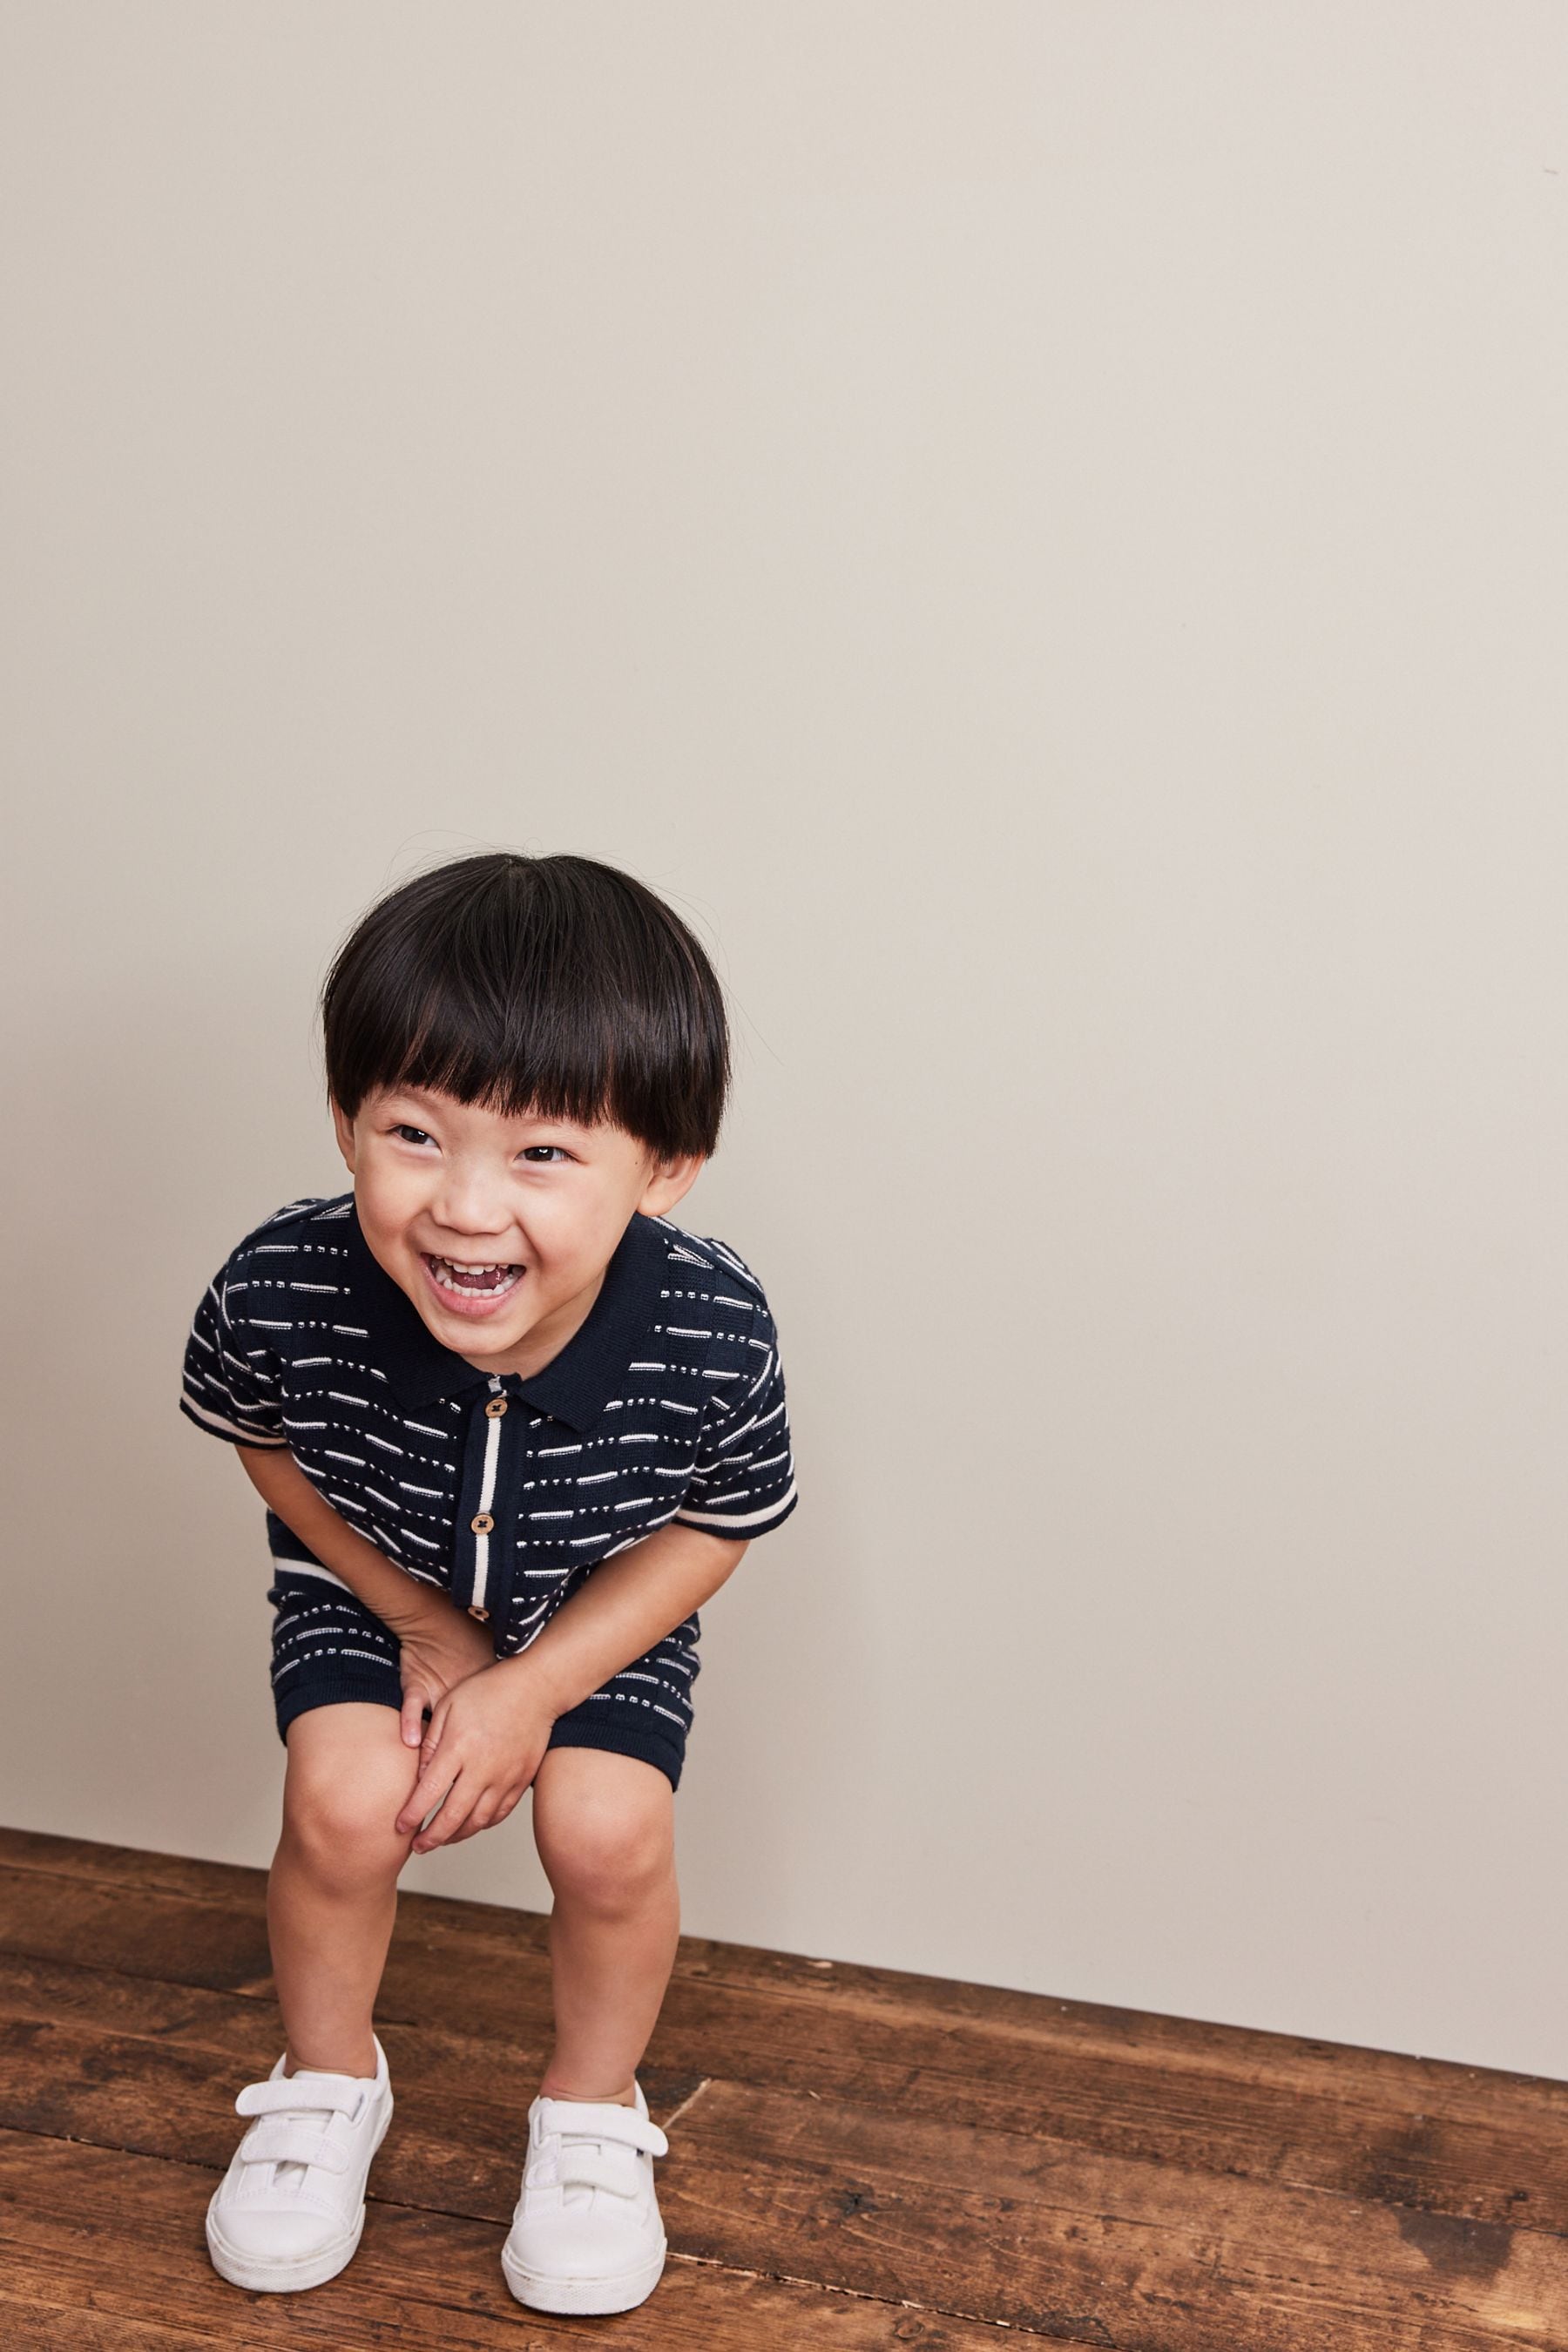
(437, 1179)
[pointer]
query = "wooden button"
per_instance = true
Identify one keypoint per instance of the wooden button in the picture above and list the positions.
(496, 1407)
(478, 1613)
(481, 1523)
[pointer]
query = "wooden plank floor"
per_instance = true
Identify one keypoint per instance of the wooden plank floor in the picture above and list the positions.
(859, 2157)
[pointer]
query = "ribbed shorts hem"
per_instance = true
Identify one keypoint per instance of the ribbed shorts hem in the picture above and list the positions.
(620, 1739)
(330, 1691)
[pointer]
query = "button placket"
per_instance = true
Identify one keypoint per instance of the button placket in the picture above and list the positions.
(483, 1469)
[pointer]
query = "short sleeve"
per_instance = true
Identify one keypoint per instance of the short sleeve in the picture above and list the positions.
(743, 1484)
(230, 1389)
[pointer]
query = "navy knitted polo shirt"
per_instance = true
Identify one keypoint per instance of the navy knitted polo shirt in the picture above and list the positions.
(666, 1404)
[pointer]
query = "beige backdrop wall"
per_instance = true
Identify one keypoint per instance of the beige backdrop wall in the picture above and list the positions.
(1041, 527)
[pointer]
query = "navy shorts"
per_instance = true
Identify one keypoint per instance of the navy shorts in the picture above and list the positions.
(328, 1646)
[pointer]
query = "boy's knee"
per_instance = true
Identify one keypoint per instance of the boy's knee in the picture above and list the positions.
(603, 1845)
(339, 1809)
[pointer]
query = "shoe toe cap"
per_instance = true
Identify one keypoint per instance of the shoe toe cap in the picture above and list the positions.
(581, 2246)
(263, 2236)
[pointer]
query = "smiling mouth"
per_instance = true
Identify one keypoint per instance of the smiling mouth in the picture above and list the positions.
(470, 1281)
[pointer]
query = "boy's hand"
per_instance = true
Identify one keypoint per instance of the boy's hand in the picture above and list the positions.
(486, 1741)
(439, 1648)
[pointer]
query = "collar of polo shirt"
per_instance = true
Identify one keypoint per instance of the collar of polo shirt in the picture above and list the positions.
(575, 1386)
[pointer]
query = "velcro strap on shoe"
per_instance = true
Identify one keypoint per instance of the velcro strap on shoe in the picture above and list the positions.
(587, 2167)
(328, 2091)
(284, 2141)
(602, 2119)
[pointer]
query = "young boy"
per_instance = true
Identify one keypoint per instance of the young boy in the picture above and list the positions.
(512, 1426)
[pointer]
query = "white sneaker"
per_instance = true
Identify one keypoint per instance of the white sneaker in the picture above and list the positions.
(289, 2211)
(585, 2234)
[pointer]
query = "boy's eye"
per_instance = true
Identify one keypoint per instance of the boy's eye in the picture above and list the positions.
(402, 1128)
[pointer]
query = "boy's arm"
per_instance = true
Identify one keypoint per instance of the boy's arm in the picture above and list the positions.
(629, 1602)
(397, 1598)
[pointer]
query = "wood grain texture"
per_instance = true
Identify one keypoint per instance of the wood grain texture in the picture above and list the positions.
(857, 2155)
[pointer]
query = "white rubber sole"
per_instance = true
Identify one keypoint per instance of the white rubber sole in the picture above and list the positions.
(541, 2291)
(284, 2274)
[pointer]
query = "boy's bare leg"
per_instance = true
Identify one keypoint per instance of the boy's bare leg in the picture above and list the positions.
(604, 1828)
(331, 1896)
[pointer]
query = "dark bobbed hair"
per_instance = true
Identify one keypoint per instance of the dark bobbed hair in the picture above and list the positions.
(554, 985)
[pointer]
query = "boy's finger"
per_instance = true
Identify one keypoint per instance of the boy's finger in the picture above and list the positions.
(421, 1799)
(416, 1803)
(470, 1826)
(447, 1824)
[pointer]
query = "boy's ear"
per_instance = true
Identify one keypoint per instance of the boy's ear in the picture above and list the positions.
(670, 1182)
(345, 1132)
